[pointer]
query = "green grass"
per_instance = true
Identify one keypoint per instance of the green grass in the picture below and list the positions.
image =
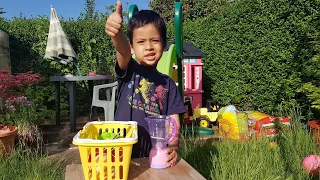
(223, 160)
(30, 166)
(253, 159)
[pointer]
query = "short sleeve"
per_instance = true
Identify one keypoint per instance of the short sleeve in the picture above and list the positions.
(175, 103)
(122, 74)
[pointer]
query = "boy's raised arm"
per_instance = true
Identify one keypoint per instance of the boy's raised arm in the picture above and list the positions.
(119, 39)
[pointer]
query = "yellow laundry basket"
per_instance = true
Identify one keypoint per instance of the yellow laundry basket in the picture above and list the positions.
(106, 159)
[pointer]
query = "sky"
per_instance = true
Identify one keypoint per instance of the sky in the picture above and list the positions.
(65, 8)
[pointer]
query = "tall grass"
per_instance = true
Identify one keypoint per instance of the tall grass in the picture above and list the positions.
(255, 159)
(31, 163)
(30, 166)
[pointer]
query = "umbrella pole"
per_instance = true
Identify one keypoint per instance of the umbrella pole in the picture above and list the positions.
(78, 69)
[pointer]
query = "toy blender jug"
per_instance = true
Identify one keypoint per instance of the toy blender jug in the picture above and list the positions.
(159, 129)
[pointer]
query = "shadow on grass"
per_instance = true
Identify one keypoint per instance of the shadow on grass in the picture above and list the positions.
(198, 152)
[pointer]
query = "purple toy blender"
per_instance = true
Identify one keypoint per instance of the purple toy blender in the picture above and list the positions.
(159, 127)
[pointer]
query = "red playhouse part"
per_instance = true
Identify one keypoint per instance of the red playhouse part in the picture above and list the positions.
(266, 126)
(192, 71)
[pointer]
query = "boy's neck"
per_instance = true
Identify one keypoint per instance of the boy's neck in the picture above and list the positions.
(150, 67)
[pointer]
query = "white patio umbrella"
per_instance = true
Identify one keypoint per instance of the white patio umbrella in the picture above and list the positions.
(59, 47)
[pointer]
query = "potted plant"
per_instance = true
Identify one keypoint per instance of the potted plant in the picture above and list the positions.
(19, 113)
(23, 114)
(7, 137)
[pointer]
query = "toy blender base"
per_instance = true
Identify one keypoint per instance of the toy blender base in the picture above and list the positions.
(158, 158)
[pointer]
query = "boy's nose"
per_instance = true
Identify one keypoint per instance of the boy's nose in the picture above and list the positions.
(149, 46)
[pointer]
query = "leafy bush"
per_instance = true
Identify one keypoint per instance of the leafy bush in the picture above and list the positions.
(10, 84)
(257, 52)
(28, 38)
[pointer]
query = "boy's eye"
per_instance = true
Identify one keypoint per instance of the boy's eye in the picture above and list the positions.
(156, 40)
(140, 42)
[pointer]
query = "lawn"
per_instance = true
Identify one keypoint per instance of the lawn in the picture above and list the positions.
(28, 165)
(279, 157)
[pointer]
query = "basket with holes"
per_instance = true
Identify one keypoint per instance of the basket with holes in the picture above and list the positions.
(106, 159)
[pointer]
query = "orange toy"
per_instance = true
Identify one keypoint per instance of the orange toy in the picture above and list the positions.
(263, 124)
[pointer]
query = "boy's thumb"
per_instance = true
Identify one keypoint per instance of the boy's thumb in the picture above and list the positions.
(119, 8)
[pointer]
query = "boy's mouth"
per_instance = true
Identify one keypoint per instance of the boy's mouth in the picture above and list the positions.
(150, 55)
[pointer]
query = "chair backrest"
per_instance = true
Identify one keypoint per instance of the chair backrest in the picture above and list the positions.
(96, 89)
(114, 91)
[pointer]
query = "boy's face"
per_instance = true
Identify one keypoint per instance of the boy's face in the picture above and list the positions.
(147, 45)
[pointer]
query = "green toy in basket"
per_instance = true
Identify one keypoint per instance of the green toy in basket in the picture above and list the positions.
(108, 136)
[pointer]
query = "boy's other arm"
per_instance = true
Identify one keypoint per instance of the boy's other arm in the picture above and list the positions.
(174, 144)
(119, 39)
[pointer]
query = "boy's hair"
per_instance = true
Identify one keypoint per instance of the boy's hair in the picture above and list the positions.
(145, 17)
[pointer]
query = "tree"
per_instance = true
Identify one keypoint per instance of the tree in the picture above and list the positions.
(1, 11)
(192, 9)
(90, 5)
(311, 72)
(9, 81)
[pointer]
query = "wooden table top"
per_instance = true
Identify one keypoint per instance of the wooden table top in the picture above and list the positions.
(142, 171)
(80, 78)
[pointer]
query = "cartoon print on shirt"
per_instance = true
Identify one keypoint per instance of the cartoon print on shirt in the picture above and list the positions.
(147, 91)
(144, 89)
(161, 92)
(130, 84)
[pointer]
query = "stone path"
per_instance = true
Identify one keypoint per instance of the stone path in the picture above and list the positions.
(58, 141)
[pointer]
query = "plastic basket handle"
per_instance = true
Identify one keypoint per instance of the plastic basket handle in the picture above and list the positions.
(174, 131)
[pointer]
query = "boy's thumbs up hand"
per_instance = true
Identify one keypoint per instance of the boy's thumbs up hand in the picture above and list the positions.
(114, 21)
(119, 8)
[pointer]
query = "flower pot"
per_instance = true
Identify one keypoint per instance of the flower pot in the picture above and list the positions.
(7, 137)
(315, 130)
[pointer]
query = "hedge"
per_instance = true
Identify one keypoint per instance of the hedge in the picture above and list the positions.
(260, 53)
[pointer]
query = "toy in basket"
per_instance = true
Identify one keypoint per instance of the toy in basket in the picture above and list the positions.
(105, 148)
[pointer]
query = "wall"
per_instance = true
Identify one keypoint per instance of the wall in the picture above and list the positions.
(4, 50)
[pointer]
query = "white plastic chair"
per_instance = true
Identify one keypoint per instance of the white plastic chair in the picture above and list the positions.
(109, 104)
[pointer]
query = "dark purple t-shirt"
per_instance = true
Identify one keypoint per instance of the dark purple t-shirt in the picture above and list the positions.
(142, 92)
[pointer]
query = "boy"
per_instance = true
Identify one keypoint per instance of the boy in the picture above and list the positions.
(142, 90)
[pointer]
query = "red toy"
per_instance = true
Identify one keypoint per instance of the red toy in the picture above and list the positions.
(263, 124)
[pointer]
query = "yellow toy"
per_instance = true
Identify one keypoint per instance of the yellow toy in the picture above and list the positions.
(204, 117)
(233, 124)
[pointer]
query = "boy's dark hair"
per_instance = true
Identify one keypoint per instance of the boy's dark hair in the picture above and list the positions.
(145, 17)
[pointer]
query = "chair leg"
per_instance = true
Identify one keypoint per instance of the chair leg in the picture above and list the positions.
(106, 114)
(111, 113)
(90, 117)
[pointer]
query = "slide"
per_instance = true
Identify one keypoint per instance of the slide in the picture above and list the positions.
(165, 65)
